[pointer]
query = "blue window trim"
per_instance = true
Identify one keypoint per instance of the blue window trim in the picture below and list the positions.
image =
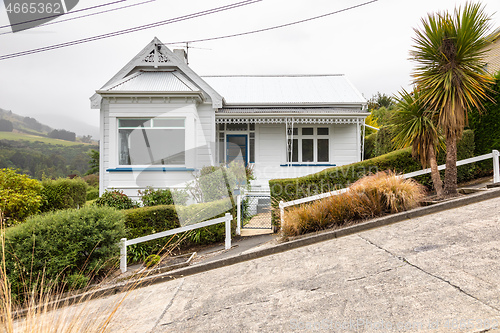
(306, 165)
(148, 169)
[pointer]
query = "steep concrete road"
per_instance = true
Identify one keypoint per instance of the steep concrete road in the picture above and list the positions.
(437, 273)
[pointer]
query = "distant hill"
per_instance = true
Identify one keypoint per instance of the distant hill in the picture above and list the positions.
(23, 124)
(29, 149)
(41, 157)
(32, 126)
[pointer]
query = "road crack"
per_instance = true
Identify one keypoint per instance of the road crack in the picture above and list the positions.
(168, 306)
(406, 261)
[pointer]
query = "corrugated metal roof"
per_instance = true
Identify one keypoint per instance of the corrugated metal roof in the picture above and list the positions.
(288, 110)
(294, 89)
(154, 81)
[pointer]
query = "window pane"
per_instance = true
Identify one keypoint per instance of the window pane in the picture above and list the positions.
(133, 123)
(221, 127)
(252, 127)
(307, 150)
(323, 150)
(308, 131)
(221, 148)
(236, 127)
(293, 151)
(323, 131)
(151, 146)
(252, 150)
(295, 131)
(158, 122)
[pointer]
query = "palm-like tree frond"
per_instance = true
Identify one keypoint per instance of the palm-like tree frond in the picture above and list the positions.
(415, 126)
(450, 70)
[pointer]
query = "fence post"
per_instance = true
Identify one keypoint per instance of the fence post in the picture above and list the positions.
(496, 167)
(238, 215)
(228, 230)
(282, 214)
(123, 255)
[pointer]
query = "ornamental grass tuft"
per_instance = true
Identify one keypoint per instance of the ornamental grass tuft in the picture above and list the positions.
(371, 196)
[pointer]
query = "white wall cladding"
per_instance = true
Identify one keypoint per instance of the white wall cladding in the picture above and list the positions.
(200, 131)
(271, 152)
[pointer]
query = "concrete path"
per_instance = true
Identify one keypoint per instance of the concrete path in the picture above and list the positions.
(437, 273)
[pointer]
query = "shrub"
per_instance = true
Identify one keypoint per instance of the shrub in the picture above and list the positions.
(19, 195)
(485, 124)
(92, 180)
(116, 199)
(58, 245)
(145, 221)
(370, 145)
(152, 260)
(92, 193)
(399, 161)
(63, 193)
(152, 197)
(369, 197)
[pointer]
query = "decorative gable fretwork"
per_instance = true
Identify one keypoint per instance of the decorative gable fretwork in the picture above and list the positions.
(283, 120)
(156, 57)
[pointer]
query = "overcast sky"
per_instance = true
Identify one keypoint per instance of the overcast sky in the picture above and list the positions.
(369, 44)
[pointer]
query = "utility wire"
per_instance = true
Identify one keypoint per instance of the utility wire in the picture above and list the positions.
(130, 30)
(57, 15)
(274, 27)
(82, 16)
(179, 19)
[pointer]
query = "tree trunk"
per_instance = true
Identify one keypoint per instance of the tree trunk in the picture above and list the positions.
(450, 175)
(436, 177)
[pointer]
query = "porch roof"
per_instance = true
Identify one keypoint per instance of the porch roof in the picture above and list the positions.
(290, 110)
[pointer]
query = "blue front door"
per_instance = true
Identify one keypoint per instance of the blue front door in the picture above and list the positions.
(236, 148)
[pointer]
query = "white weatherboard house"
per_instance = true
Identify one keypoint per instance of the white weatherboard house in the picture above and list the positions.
(160, 122)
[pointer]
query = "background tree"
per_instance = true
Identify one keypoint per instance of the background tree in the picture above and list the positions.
(6, 125)
(450, 73)
(415, 126)
(93, 162)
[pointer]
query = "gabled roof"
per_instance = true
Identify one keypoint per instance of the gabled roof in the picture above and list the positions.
(331, 90)
(168, 81)
(157, 57)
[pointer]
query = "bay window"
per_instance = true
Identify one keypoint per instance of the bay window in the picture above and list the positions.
(151, 141)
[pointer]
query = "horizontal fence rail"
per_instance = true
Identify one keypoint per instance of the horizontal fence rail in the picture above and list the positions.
(496, 179)
(126, 242)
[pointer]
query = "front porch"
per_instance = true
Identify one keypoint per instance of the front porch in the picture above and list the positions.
(289, 146)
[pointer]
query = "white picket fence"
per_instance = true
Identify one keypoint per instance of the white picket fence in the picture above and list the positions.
(496, 179)
(127, 242)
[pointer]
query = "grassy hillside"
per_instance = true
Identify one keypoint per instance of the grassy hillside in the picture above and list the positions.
(43, 157)
(25, 124)
(18, 136)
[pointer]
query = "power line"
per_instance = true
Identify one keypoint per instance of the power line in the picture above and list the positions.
(74, 11)
(179, 19)
(273, 27)
(130, 30)
(83, 16)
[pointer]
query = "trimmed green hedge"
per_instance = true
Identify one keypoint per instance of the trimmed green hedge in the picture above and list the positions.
(485, 126)
(62, 246)
(63, 193)
(399, 161)
(145, 221)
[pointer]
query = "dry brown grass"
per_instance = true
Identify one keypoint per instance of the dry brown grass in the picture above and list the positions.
(371, 196)
(47, 310)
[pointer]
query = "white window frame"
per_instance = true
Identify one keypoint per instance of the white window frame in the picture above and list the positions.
(118, 128)
(299, 137)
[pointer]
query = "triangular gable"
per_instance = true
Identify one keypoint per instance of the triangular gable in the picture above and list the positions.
(153, 56)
